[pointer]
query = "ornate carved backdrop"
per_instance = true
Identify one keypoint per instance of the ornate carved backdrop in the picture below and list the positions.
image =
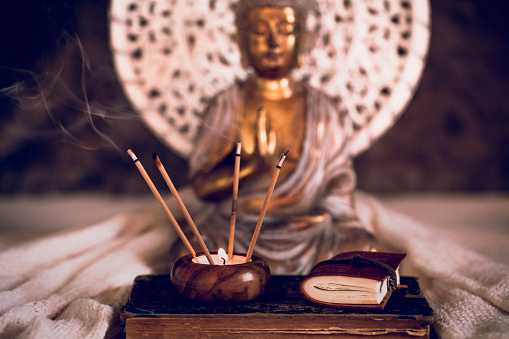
(452, 137)
(172, 56)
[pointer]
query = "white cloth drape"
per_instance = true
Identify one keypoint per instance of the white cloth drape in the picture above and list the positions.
(72, 284)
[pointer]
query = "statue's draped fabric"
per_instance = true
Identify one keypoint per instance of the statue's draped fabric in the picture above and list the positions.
(313, 215)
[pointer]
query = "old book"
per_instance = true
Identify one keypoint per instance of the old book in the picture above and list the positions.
(354, 279)
(154, 309)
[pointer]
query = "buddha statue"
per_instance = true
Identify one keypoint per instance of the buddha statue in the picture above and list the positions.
(311, 215)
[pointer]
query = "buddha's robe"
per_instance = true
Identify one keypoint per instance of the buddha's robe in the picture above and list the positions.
(312, 216)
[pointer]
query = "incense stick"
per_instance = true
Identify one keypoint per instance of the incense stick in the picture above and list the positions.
(236, 175)
(153, 188)
(183, 208)
(265, 206)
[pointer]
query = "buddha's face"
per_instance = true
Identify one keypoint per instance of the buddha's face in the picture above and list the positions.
(272, 37)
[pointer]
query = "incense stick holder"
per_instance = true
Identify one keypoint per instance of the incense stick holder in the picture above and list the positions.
(236, 281)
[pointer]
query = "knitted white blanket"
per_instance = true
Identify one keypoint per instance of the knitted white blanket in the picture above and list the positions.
(72, 284)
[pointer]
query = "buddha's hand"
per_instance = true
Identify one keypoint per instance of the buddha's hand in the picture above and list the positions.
(266, 136)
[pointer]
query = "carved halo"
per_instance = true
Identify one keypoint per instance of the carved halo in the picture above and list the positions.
(173, 56)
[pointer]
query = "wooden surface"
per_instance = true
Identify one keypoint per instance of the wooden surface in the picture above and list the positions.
(155, 309)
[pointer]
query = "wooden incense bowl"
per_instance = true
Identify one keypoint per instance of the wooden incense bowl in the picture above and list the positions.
(235, 282)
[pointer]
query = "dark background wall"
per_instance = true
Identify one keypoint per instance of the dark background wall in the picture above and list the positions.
(454, 135)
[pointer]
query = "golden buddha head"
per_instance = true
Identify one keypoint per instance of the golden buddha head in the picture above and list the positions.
(272, 35)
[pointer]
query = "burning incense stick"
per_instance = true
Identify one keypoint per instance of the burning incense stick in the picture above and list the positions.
(265, 206)
(153, 188)
(236, 176)
(182, 207)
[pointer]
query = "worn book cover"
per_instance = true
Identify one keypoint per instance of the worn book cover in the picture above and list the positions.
(155, 309)
(354, 279)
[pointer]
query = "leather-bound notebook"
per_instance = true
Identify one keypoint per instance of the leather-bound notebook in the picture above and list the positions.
(354, 279)
(155, 309)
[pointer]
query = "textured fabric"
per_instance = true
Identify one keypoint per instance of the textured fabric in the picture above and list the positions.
(72, 284)
(468, 292)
